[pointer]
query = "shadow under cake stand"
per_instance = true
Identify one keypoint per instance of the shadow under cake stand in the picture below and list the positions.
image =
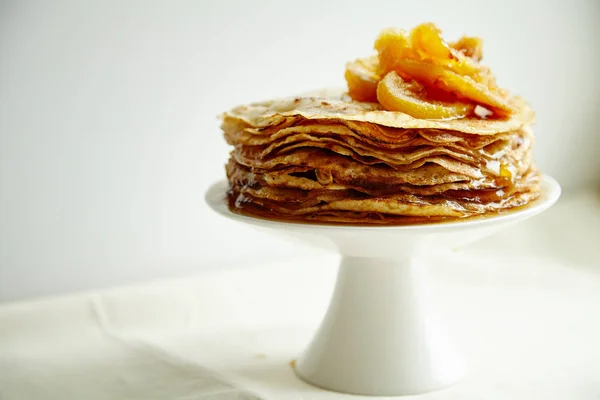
(378, 336)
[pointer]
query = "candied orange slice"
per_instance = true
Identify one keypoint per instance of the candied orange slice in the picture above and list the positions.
(392, 45)
(362, 76)
(427, 41)
(449, 81)
(471, 47)
(395, 94)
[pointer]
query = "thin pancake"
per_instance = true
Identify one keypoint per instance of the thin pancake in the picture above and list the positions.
(333, 107)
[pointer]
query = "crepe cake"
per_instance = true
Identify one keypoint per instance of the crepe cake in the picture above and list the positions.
(333, 158)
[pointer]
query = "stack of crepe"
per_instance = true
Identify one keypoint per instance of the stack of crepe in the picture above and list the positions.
(333, 158)
(330, 159)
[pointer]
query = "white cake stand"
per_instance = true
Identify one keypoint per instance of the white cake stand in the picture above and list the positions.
(378, 336)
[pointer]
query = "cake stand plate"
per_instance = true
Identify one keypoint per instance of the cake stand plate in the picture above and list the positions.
(379, 336)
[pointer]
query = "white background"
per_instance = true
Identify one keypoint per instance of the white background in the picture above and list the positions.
(108, 116)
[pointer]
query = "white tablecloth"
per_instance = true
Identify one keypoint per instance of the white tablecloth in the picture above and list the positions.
(523, 305)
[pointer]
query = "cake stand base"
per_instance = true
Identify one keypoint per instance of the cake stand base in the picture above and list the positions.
(378, 336)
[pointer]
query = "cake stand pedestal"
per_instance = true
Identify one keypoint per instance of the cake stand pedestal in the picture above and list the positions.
(379, 336)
